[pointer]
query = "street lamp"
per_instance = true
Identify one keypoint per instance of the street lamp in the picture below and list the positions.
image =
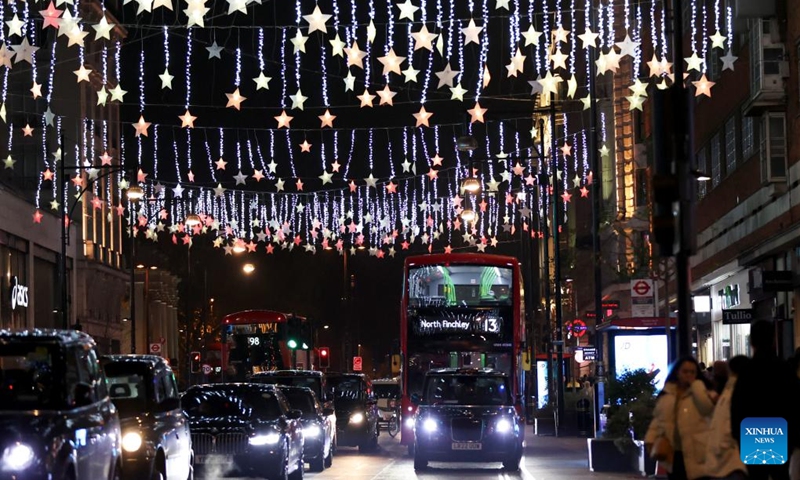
(248, 268)
(135, 193)
(193, 220)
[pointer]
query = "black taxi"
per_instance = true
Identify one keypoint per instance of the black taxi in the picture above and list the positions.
(56, 417)
(467, 415)
(156, 441)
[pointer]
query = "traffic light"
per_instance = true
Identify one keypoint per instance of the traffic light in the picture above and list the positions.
(292, 343)
(324, 357)
(196, 367)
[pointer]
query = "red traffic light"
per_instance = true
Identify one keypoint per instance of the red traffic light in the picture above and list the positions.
(323, 352)
(324, 357)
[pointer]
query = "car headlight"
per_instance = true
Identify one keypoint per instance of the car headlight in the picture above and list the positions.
(503, 426)
(430, 425)
(357, 418)
(261, 440)
(17, 457)
(131, 442)
(312, 431)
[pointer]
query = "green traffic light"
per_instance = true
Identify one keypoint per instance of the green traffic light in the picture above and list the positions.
(292, 344)
(305, 346)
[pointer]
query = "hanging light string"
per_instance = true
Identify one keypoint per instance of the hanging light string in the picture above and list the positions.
(189, 51)
(324, 67)
(141, 107)
(390, 30)
(238, 80)
(610, 27)
(601, 27)
(573, 38)
(637, 37)
(664, 44)
(702, 38)
(283, 70)
(439, 25)
(729, 25)
(482, 64)
(367, 59)
(297, 69)
(3, 40)
(653, 29)
(693, 41)
(537, 59)
(452, 32)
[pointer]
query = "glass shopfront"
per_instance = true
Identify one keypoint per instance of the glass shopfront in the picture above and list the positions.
(14, 301)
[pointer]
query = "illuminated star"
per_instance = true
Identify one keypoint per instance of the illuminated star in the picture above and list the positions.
(262, 81)
(279, 185)
(9, 162)
(221, 164)
(391, 62)
(141, 176)
(37, 216)
(635, 102)
(638, 88)
(550, 83)
(214, 51)
(76, 36)
(141, 126)
(561, 35)
(327, 119)
(166, 79)
(655, 66)
(477, 113)
(407, 10)
(366, 98)
(423, 116)
(694, 62)
(338, 46)
(326, 178)
(299, 42)
(103, 29)
(36, 90)
(446, 76)
(335, 166)
(411, 74)
(299, 185)
(27, 131)
(15, 26)
(436, 161)
(218, 190)
(501, 4)
(386, 96)
(355, 57)
(51, 16)
(24, 51)
(703, 86)
(162, 3)
(589, 38)
(718, 40)
(584, 192)
(237, 6)
(391, 187)
(349, 82)
(371, 180)
(241, 178)
(298, 99)
(627, 47)
(105, 159)
(531, 36)
(187, 120)
(235, 100)
(258, 175)
(471, 33)
(566, 196)
(117, 93)
(305, 147)
(316, 21)
(518, 61)
(424, 39)
(457, 92)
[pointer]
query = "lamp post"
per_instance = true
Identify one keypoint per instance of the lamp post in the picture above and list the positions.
(134, 193)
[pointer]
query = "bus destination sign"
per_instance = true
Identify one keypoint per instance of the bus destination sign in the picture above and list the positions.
(480, 322)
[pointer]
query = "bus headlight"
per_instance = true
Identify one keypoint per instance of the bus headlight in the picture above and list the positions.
(430, 425)
(17, 457)
(357, 418)
(131, 442)
(503, 426)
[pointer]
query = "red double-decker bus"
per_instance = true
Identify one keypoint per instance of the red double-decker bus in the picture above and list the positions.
(258, 340)
(460, 311)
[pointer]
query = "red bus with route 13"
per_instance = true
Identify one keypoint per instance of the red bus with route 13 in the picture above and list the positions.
(460, 311)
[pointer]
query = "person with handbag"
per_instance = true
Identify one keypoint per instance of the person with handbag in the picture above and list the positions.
(677, 436)
(722, 457)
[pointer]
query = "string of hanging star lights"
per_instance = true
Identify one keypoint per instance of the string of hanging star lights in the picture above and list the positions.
(383, 169)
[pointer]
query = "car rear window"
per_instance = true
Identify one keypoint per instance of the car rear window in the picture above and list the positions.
(31, 377)
(231, 402)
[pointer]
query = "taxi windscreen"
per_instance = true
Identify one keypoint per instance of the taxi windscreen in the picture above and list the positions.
(30, 377)
(466, 390)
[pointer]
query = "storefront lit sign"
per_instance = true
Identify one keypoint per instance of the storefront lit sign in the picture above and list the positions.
(19, 294)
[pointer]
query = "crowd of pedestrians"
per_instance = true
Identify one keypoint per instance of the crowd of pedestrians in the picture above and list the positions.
(695, 432)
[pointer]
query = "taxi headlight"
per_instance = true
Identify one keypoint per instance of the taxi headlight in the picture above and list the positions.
(410, 422)
(131, 442)
(261, 440)
(17, 457)
(503, 426)
(430, 425)
(312, 431)
(357, 418)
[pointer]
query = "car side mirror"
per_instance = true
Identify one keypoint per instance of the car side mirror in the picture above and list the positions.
(82, 394)
(294, 414)
(416, 399)
(327, 411)
(169, 404)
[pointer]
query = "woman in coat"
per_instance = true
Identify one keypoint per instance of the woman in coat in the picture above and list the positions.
(682, 417)
(722, 456)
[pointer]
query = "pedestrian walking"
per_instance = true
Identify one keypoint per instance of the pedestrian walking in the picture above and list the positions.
(677, 436)
(723, 460)
(766, 388)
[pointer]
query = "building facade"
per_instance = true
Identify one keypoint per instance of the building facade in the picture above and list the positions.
(65, 130)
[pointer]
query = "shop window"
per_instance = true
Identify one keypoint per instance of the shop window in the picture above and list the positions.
(748, 138)
(716, 161)
(729, 296)
(773, 147)
(730, 145)
(702, 166)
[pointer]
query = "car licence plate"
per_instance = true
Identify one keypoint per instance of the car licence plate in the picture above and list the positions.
(466, 446)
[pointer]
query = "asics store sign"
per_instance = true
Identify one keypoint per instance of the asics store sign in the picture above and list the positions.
(19, 294)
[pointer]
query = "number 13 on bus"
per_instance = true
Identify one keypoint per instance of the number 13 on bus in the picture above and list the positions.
(460, 311)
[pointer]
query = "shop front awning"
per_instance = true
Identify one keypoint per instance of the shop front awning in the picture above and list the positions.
(636, 323)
